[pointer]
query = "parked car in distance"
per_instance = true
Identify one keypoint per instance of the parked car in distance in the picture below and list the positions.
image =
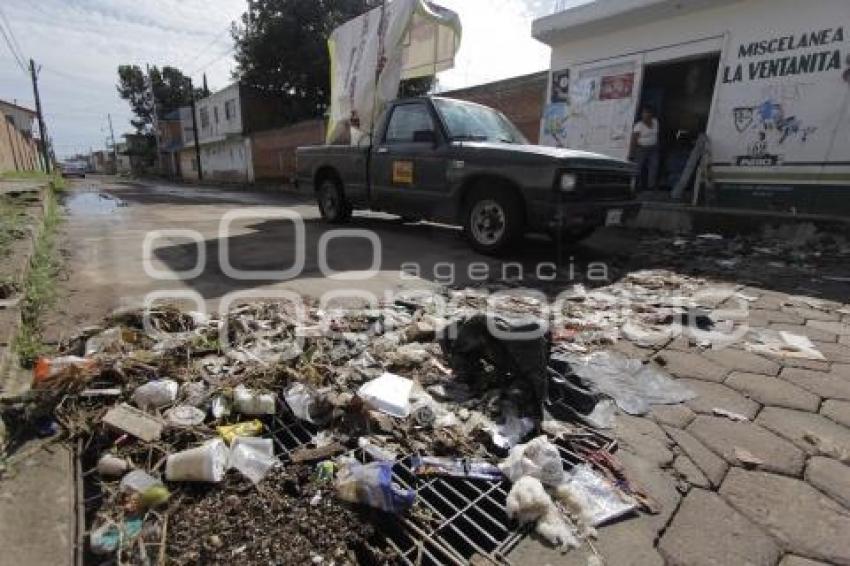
(457, 162)
(73, 169)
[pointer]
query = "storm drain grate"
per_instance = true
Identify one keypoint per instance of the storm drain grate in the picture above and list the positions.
(453, 521)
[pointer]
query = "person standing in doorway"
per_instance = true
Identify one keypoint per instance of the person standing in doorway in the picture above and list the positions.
(645, 149)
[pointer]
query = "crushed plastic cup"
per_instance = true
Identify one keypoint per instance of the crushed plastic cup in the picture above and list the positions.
(112, 466)
(184, 416)
(250, 402)
(253, 457)
(389, 393)
(139, 481)
(156, 394)
(206, 463)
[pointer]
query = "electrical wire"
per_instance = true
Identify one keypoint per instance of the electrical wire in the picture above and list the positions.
(212, 62)
(12, 43)
(203, 49)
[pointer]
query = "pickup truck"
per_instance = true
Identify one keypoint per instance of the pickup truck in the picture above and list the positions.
(462, 163)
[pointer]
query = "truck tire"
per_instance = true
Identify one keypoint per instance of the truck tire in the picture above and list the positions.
(332, 203)
(493, 219)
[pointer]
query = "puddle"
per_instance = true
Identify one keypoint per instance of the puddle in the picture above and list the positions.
(93, 204)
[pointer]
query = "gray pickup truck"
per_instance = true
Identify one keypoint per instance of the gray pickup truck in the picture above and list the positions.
(462, 163)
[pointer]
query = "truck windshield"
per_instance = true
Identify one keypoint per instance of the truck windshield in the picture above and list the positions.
(467, 121)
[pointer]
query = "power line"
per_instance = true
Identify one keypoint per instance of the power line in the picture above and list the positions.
(205, 47)
(214, 61)
(12, 35)
(11, 45)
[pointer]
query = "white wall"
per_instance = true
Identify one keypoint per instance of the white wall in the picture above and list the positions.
(799, 121)
(228, 160)
(214, 129)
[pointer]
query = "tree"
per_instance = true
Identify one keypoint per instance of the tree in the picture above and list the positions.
(281, 46)
(170, 90)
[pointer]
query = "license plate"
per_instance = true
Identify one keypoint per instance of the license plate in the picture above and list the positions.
(614, 217)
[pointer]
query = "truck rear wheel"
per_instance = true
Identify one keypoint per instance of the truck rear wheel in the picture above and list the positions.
(493, 220)
(332, 203)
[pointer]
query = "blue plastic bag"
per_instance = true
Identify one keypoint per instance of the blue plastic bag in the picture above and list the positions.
(372, 484)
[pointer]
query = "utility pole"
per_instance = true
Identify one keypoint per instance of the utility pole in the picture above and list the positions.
(195, 130)
(114, 147)
(41, 127)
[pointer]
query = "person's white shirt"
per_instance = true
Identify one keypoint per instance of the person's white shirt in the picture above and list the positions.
(647, 135)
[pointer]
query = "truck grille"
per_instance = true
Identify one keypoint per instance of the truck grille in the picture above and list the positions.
(605, 185)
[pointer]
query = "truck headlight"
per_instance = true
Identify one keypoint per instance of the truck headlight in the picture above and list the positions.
(568, 182)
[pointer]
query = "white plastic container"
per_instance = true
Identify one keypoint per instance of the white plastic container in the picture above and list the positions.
(253, 457)
(206, 463)
(250, 402)
(389, 393)
(156, 394)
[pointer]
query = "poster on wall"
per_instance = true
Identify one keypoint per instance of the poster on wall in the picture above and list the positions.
(783, 98)
(560, 87)
(617, 87)
(555, 118)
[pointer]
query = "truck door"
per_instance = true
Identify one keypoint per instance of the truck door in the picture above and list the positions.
(409, 162)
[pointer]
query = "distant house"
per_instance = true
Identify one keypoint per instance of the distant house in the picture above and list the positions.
(137, 154)
(225, 120)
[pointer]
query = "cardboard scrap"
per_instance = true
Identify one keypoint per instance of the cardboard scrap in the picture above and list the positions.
(315, 454)
(136, 422)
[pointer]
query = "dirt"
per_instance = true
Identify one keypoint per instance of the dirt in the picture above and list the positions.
(274, 523)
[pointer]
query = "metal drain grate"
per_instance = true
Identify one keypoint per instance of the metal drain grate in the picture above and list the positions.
(453, 520)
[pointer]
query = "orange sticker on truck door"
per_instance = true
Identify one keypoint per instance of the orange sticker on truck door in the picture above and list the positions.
(403, 172)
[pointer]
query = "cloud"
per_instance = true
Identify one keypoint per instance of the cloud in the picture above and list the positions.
(80, 44)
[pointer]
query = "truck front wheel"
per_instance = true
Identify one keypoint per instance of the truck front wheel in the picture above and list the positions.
(494, 220)
(332, 203)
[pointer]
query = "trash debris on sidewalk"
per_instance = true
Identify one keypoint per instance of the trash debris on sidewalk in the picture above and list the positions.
(782, 344)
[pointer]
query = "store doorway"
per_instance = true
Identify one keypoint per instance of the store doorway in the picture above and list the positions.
(680, 94)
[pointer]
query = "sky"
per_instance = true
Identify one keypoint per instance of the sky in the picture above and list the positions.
(80, 43)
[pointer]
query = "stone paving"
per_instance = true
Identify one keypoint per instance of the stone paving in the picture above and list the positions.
(774, 489)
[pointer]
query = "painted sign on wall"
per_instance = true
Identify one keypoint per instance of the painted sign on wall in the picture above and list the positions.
(782, 98)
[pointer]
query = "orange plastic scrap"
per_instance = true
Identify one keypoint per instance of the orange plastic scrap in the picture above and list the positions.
(56, 372)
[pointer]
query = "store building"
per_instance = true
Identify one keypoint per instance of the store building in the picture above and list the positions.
(768, 82)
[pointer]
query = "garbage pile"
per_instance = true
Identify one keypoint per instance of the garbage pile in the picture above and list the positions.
(182, 420)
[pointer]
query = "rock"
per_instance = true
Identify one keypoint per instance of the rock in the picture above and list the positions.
(645, 438)
(773, 391)
(825, 384)
(808, 431)
(689, 471)
(712, 396)
(678, 416)
(838, 411)
(707, 461)
(831, 477)
(741, 360)
(689, 364)
(802, 519)
(724, 436)
(708, 532)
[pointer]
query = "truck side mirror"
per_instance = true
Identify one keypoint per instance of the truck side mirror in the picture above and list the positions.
(425, 136)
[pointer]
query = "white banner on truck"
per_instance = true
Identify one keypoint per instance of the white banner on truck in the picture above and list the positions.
(371, 54)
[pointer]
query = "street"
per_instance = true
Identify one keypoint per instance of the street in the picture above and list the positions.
(771, 487)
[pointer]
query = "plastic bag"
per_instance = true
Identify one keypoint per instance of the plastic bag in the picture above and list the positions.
(537, 458)
(372, 484)
(595, 498)
(306, 404)
(156, 394)
(633, 385)
(253, 457)
(528, 502)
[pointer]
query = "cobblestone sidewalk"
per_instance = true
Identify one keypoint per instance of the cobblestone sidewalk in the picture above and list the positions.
(772, 490)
